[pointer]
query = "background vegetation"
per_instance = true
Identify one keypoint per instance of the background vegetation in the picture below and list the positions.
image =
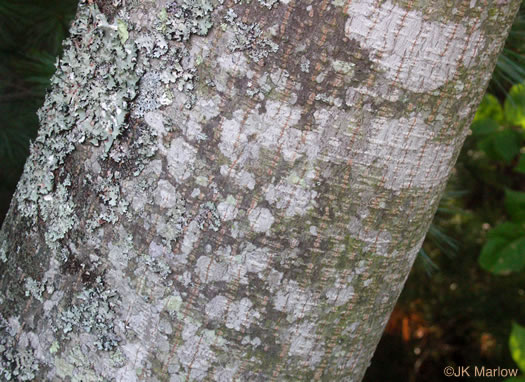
(464, 301)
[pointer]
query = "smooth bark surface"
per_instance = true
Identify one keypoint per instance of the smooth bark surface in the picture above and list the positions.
(235, 191)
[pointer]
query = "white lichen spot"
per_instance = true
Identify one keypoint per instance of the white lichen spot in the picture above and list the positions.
(233, 63)
(279, 77)
(252, 341)
(351, 329)
(210, 270)
(230, 134)
(295, 198)
(241, 314)
(157, 251)
(227, 373)
(274, 279)
(255, 259)
(201, 180)
(341, 292)
(132, 351)
(246, 179)
(227, 209)
(419, 55)
(320, 77)
(405, 153)
(243, 178)
(268, 3)
(190, 238)
(243, 138)
(156, 121)
(216, 307)
(292, 299)
(196, 352)
(261, 219)
(166, 195)
(374, 240)
(302, 339)
(181, 157)
(208, 108)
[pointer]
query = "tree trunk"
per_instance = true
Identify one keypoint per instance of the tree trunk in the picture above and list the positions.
(223, 191)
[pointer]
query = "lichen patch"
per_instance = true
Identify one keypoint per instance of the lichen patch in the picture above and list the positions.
(419, 55)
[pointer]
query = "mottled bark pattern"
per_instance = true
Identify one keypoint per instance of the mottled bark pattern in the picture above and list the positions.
(224, 191)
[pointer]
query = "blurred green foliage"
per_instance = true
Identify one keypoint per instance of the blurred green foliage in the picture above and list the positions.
(500, 133)
(517, 345)
(466, 294)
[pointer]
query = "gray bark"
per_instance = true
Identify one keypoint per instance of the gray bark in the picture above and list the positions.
(235, 191)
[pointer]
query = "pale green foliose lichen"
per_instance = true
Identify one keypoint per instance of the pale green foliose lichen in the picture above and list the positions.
(269, 3)
(122, 29)
(92, 312)
(188, 17)
(54, 347)
(144, 147)
(155, 87)
(91, 89)
(249, 38)
(58, 209)
(3, 249)
(94, 82)
(33, 288)
(112, 203)
(16, 363)
(178, 23)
